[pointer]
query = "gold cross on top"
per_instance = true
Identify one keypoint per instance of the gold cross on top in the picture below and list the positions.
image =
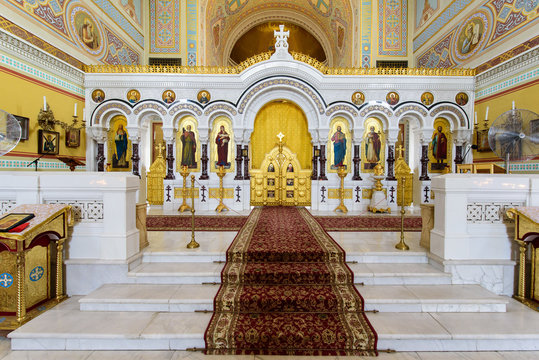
(159, 147)
(400, 150)
(280, 135)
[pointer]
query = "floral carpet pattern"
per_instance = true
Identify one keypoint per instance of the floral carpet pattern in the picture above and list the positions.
(329, 223)
(286, 290)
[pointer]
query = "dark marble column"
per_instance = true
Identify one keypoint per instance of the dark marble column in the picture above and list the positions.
(239, 159)
(204, 162)
(136, 159)
(390, 162)
(424, 163)
(100, 158)
(246, 163)
(357, 161)
(458, 156)
(314, 175)
(170, 162)
(322, 175)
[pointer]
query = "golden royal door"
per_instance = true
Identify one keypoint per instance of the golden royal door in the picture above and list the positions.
(280, 181)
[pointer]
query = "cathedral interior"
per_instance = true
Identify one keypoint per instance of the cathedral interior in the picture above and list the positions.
(386, 120)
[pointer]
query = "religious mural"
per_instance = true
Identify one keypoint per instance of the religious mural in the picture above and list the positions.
(187, 144)
(425, 9)
(168, 96)
(98, 95)
(133, 96)
(484, 27)
(203, 97)
(222, 147)
(119, 145)
(440, 147)
(339, 145)
(333, 17)
(133, 8)
(427, 98)
(358, 98)
(71, 20)
(373, 150)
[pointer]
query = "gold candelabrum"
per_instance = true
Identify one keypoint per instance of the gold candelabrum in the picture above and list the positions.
(184, 173)
(221, 173)
(402, 245)
(46, 121)
(193, 244)
(342, 174)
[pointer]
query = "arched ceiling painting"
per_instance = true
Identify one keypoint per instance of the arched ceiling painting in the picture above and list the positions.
(329, 22)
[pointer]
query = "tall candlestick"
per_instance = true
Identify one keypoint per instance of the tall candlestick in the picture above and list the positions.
(486, 115)
(75, 110)
(45, 103)
(475, 121)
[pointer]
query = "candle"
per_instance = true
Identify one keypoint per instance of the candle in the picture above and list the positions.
(75, 111)
(486, 115)
(475, 122)
(513, 104)
(45, 103)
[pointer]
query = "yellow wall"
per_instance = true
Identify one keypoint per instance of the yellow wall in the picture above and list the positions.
(285, 117)
(525, 97)
(24, 97)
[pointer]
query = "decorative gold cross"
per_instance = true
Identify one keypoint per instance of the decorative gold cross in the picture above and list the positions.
(280, 135)
(400, 149)
(159, 147)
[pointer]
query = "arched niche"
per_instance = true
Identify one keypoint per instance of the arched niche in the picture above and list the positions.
(188, 135)
(118, 144)
(286, 117)
(217, 139)
(339, 140)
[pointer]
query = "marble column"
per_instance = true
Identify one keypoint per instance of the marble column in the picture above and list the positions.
(458, 156)
(424, 163)
(246, 163)
(239, 159)
(170, 162)
(136, 159)
(357, 162)
(322, 159)
(204, 163)
(390, 162)
(100, 158)
(314, 175)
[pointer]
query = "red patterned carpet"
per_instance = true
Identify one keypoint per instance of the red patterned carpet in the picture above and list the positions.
(329, 223)
(286, 290)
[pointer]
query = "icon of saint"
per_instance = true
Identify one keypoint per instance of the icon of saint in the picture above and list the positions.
(339, 147)
(222, 141)
(372, 147)
(120, 139)
(189, 145)
(439, 146)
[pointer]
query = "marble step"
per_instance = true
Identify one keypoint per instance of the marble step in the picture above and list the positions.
(369, 274)
(392, 298)
(67, 328)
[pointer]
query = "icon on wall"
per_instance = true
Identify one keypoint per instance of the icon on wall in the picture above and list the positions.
(358, 98)
(98, 95)
(168, 96)
(392, 98)
(133, 96)
(73, 138)
(48, 142)
(203, 97)
(427, 98)
(461, 98)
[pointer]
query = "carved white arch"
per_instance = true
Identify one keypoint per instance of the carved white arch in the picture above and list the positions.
(105, 111)
(287, 15)
(456, 117)
(177, 118)
(279, 92)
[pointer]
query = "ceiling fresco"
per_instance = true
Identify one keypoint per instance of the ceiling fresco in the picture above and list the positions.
(329, 22)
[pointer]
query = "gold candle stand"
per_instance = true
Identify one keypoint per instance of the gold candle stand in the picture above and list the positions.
(402, 245)
(184, 173)
(342, 174)
(221, 173)
(193, 244)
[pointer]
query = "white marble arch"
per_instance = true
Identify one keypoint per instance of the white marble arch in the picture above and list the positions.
(315, 120)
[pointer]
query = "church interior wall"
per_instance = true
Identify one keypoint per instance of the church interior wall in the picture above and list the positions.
(468, 33)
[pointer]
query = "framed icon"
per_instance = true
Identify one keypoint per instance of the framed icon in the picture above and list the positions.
(203, 96)
(133, 96)
(168, 96)
(13, 220)
(427, 98)
(72, 138)
(289, 182)
(98, 95)
(392, 98)
(48, 142)
(358, 98)
(461, 98)
(23, 122)
(482, 141)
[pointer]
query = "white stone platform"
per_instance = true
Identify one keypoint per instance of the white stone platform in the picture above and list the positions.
(419, 308)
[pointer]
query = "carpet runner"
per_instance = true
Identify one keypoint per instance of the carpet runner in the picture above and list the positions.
(329, 223)
(286, 290)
